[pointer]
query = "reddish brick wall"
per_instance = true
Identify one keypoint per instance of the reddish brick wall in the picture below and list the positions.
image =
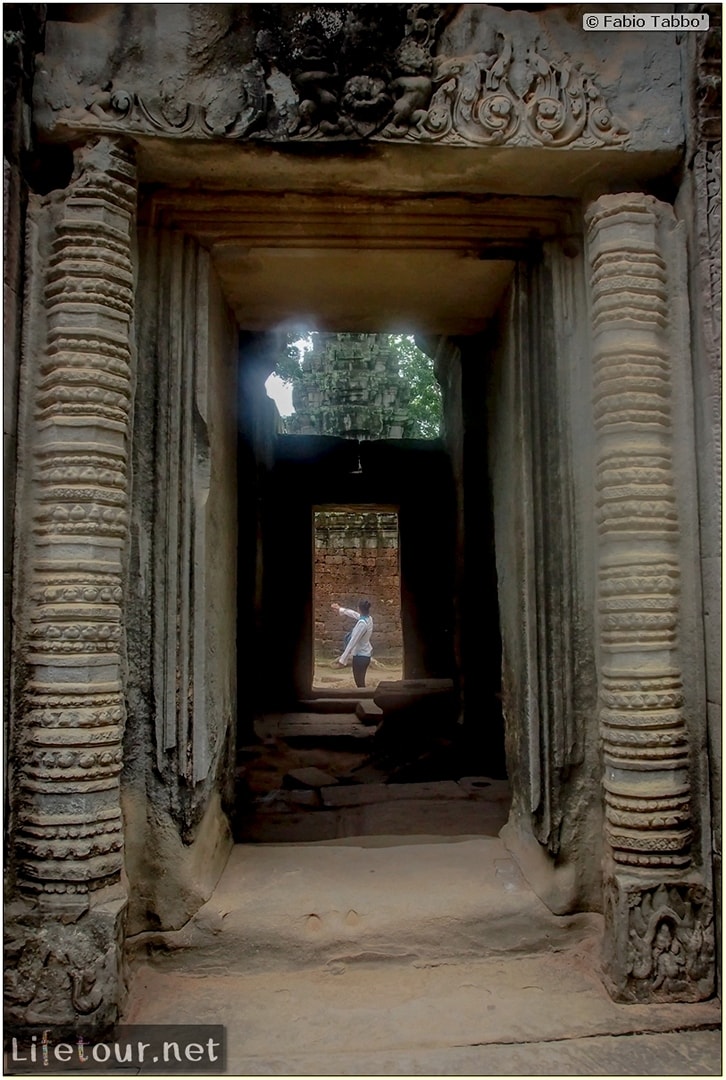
(356, 558)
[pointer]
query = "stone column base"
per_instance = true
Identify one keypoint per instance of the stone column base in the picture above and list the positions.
(65, 969)
(659, 939)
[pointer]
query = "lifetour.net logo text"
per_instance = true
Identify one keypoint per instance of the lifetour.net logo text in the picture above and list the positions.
(148, 1049)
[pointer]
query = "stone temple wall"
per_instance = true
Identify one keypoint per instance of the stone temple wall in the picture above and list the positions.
(356, 558)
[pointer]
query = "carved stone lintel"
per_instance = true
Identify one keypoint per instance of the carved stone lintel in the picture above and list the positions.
(353, 73)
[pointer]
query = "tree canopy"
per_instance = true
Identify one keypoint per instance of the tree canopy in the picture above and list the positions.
(417, 369)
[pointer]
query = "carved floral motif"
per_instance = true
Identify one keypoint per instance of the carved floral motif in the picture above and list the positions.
(353, 83)
(121, 109)
(510, 96)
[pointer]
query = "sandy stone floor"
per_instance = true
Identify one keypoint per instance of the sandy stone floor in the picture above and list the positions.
(422, 957)
(328, 675)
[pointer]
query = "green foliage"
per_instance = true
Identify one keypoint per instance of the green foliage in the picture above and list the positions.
(417, 369)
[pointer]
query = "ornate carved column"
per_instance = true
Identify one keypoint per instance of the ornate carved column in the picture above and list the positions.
(68, 715)
(658, 912)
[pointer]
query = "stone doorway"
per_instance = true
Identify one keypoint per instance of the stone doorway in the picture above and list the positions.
(506, 332)
(507, 341)
(356, 557)
(537, 202)
(402, 479)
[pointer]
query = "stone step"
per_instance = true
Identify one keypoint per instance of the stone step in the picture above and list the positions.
(288, 906)
(441, 808)
(337, 704)
(545, 1015)
(286, 817)
(322, 728)
(362, 794)
(332, 731)
(358, 693)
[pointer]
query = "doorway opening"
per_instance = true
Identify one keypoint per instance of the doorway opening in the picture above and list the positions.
(359, 499)
(356, 557)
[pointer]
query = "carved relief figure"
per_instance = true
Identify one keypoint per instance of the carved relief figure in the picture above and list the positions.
(670, 940)
(367, 72)
(412, 86)
(668, 960)
(316, 80)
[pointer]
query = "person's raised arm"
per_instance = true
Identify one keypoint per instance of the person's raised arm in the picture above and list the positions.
(346, 611)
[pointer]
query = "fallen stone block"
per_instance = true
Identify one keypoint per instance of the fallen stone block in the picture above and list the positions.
(309, 777)
(415, 711)
(406, 693)
(368, 712)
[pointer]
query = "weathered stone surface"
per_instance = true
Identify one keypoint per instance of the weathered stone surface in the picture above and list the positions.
(76, 484)
(303, 796)
(362, 794)
(309, 777)
(486, 788)
(69, 705)
(350, 385)
(414, 711)
(354, 794)
(438, 789)
(191, 864)
(374, 899)
(64, 970)
(548, 1020)
(540, 460)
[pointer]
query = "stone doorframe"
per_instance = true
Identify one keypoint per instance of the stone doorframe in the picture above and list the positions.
(72, 587)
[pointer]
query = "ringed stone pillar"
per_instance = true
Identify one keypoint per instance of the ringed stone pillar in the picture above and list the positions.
(658, 911)
(68, 701)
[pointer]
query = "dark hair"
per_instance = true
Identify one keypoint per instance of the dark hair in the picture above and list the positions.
(364, 606)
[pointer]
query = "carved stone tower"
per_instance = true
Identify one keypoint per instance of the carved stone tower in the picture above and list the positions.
(351, 387)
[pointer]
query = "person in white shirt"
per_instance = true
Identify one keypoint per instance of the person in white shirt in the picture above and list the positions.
(359, 650)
